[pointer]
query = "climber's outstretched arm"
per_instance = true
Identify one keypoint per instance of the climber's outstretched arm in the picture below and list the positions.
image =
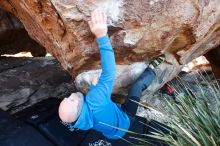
(101, 92)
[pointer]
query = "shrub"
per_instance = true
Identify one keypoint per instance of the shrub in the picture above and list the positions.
(197, 121)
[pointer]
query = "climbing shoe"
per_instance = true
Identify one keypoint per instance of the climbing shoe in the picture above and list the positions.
(157, 61)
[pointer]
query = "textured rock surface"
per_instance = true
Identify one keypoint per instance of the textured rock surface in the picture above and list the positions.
(25, 81)
(14, 38)
(139, 30)
(127, 74)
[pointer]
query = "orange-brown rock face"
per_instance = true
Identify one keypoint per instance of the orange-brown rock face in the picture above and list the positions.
(139, 30)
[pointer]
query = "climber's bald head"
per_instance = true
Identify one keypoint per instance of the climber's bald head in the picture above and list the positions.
(70, 108)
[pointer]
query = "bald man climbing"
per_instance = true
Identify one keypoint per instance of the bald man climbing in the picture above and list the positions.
(97, 111)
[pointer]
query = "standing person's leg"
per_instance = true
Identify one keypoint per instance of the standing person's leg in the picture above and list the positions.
(144, 80)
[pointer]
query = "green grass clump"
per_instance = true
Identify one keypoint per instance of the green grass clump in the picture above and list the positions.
(197, 121)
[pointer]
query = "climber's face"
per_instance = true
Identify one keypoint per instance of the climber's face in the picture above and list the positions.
(70, 108)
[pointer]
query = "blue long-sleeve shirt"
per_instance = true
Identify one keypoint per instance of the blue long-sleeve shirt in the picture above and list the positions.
(99, 112)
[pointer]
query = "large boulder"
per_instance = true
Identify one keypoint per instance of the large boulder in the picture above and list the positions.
(139, 30)
(26, 81)
(126, 74)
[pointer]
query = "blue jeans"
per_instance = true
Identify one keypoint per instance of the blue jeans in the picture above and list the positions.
(134, 93)
(130, 107)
